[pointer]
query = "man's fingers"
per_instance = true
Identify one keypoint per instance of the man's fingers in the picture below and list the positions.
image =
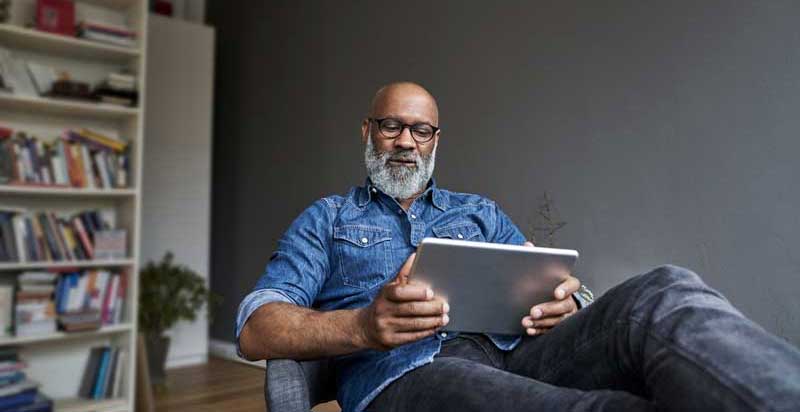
(434, 307)
(550, 322)
(405, 270)
(405, 293)
(536, 331)
(567, 287)
(529, 244)
(553, 308)
(419, 323)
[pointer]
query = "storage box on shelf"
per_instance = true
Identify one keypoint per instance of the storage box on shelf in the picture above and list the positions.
(107, 56)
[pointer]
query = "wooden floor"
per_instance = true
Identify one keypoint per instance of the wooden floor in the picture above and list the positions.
(219, 385)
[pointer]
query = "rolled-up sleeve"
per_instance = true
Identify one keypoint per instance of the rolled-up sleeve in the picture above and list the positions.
(298, 267)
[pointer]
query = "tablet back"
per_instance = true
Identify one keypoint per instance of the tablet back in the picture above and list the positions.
(490, 287)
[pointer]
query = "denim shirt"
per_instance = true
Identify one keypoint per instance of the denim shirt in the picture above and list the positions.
(341, 250)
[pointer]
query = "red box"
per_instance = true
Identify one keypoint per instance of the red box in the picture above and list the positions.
(56, 16)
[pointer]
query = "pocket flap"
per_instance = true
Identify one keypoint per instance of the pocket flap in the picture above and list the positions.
(362, 236)
(457, 230)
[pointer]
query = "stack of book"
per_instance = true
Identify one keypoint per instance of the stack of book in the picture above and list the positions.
(86, 300)
(118, 88)
(34, 312)
(102, 377)
(17, 393)
(46, 236)
(106, 32)
(78, 158)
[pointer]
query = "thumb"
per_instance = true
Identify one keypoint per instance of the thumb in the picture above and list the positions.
(528, 244)
(405, 270)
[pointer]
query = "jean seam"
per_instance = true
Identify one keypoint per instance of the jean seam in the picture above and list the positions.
(753, 402)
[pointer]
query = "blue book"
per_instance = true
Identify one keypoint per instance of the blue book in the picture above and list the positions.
(12, 378)
(12, 402)
(40, 404)
(98, 391)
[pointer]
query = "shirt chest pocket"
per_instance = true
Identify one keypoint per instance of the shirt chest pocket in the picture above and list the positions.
(364, 254)
(459, 231)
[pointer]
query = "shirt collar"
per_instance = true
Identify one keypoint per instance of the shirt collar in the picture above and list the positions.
(438, 197)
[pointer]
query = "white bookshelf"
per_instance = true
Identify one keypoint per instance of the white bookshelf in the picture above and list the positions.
(57, 360)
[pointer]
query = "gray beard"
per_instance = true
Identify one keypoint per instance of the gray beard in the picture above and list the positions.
(399, 182)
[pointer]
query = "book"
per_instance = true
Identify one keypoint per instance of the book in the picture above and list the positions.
(97, 389)
(56, 16)
(90, 372)
(47, 236)
(103, 37)
(6, 310)
(43, 77)
(19, 399)
(116, 390)
(40, 403)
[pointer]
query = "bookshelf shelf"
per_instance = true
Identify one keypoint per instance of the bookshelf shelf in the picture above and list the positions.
(81, 264)
(83, 405)
(31, 39)
(66, 107)
(59, 336)
(23, 190)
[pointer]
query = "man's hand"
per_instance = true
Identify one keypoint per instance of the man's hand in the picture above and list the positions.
(545, 316)
(404, 311)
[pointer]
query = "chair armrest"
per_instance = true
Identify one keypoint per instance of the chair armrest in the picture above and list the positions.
(294, 386)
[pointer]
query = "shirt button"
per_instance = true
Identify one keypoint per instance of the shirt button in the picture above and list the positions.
(413, 216)
(443, 334)
(364, 240)
(374, 190)
(460, 236)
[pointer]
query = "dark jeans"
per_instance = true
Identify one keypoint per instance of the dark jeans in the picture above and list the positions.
(659, 341)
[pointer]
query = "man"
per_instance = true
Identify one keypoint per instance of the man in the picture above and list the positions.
(337, 287)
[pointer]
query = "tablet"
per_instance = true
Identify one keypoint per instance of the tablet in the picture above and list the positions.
(490, 287)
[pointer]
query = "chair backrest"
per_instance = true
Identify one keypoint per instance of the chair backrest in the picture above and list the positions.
(294, 386)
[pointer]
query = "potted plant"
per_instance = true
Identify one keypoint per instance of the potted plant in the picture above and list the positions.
(169, 293)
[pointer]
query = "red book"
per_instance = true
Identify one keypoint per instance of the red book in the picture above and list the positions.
(83, 236)
(56, 16)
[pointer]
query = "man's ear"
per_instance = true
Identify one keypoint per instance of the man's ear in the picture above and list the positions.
(364, 131)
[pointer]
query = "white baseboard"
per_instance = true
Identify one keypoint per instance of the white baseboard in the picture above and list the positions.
(186, 360)
(227, 350)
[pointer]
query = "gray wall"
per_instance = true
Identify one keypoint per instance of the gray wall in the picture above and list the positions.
(665, 131)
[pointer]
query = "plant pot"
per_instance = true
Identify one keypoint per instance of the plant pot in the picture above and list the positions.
(157, 347)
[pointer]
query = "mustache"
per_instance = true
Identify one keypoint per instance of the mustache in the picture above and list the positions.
(402, 156)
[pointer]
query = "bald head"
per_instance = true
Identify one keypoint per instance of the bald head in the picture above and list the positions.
(405, 99)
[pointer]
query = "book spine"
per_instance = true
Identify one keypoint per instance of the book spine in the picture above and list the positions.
(55, 230)
(86, 160)
(49, 236)
(101, 373)
(83, 236)
(33, 239)
(19, 237)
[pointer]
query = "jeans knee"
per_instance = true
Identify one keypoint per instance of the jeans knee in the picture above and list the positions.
(663, 279)
(670, 275)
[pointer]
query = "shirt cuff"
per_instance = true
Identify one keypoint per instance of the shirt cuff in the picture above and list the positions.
(253, 301)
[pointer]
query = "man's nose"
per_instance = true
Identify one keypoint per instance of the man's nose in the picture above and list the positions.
(405, 140)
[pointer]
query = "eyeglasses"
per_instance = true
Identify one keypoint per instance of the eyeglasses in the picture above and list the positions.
(391, 128)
